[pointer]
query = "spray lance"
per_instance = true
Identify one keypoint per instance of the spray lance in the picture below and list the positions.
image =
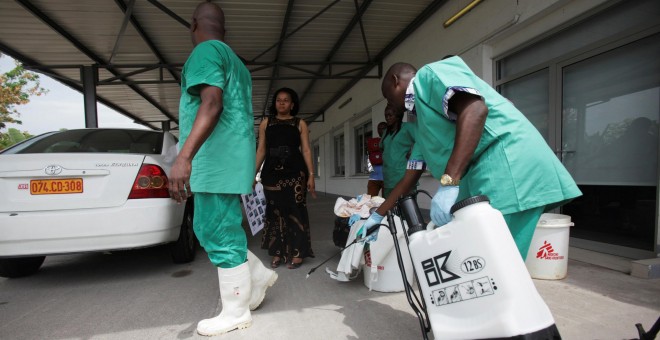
(411, 213)
(357, 240)
(369, 231)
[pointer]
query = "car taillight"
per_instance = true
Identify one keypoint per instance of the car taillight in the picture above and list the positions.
(151, 182)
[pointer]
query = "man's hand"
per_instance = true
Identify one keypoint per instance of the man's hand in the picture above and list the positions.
(442, 202)
(179, 185)
(373, 220)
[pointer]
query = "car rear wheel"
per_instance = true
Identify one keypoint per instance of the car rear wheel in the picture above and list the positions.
(183, 250)
(20, 266)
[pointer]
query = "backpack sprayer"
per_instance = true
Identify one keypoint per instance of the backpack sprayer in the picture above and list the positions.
(472, 280)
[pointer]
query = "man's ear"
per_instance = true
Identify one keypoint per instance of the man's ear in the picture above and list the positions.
(193, 25)
(395, 78)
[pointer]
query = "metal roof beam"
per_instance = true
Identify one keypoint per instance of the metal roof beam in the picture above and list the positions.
(122, 30)
(297, 29)
(356, 18)
(145, 37)
(169, 12)
(328, 71)
(418, 21)
(285, 26)
(82, 48)
(364, 35)
(336, 77)
(181, 20)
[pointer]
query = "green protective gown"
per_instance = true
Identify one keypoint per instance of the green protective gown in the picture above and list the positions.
(396, 149)
(224, 164)
(512, 164)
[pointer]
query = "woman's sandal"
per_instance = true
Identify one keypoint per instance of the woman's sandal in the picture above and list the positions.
(275, 262)
(295, 265)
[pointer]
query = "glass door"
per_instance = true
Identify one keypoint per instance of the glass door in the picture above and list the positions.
(609, 143)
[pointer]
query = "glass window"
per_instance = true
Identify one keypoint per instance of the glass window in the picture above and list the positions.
(610, 116)
(362, 132)
(339, 155)
(530, 95)
(610, 112)
(94, 141)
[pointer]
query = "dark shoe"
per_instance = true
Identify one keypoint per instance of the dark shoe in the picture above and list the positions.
(275, 262)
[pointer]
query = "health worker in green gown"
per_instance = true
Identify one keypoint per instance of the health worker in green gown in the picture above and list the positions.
(396, 145)
(217, 152)
(476, 143)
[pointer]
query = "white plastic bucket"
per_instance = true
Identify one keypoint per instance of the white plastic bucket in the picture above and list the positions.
(547, 257)
(386, 276)
(381, 268)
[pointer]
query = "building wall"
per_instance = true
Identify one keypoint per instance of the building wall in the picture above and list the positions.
(503, 26)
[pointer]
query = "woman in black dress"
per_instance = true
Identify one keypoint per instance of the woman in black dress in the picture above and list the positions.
(287, 176)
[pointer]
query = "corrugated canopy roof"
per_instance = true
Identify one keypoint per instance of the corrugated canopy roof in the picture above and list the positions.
(320, 48)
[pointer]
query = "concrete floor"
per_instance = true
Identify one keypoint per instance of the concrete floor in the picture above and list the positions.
(593, 302)
(139, 295)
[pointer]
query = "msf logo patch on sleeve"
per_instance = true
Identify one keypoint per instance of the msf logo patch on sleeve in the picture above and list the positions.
(435, 270)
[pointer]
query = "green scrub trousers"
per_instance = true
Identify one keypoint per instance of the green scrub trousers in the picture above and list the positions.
(522, 226)
(217, 224)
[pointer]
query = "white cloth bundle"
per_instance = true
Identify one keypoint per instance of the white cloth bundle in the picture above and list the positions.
(360, 205)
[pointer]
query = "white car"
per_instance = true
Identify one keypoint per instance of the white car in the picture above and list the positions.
(89, 190)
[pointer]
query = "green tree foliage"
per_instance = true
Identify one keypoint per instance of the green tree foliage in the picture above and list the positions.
(12, 137)
(16, 87)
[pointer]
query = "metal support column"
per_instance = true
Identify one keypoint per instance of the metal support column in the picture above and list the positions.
(165, 125)
(89, 76)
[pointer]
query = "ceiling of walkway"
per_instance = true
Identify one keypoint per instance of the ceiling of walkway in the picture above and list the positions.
(320, 48)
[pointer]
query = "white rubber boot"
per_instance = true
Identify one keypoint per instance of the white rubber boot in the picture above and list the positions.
(235, 296)
(262, 278)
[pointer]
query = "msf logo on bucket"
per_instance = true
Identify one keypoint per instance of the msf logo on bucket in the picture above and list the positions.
(546, 252)
(435, 270)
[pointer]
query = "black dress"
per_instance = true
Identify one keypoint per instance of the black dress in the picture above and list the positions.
(284, 177)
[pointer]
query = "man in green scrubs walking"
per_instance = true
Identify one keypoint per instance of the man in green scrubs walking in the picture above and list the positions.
(476, 143)
(217, 149)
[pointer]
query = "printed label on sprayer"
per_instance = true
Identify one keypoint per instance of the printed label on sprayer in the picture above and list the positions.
(436, 272)
(463, 291)
(473, 265)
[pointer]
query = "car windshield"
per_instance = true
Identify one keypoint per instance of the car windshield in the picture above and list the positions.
(92, 141)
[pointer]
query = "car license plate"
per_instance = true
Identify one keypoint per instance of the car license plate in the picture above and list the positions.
(56, 186)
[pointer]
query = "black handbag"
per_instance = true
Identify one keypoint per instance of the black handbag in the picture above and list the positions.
(341, 231)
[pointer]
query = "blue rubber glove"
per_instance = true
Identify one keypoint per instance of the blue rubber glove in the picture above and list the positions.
(354, 218)
(373, 220)
(442, 202)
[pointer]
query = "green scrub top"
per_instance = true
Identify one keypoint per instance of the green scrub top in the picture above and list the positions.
(512, 164)
(225, 162)
(396, 148)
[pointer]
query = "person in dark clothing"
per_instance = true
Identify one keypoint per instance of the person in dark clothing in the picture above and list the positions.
(287, 175)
